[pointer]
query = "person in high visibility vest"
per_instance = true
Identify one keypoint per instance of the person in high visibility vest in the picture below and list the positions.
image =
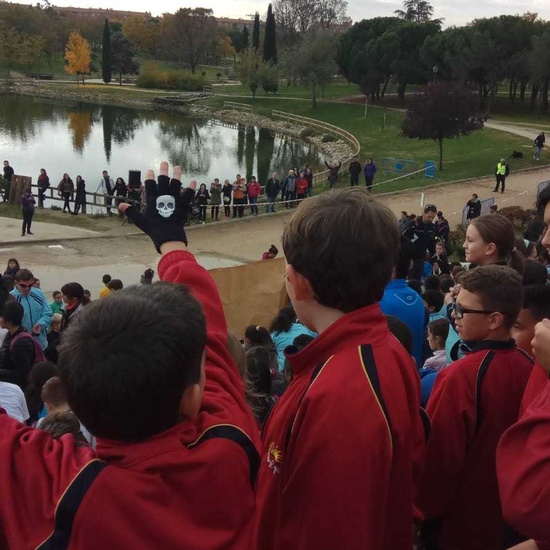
(502, 170)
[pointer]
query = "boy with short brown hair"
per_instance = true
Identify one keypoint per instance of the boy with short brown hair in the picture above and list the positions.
(339, 447)
(473, 402)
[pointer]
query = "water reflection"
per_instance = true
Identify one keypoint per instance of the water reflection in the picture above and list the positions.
(86, 139)
(80, 126)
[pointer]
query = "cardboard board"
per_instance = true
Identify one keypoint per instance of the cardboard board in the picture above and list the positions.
(251, 294)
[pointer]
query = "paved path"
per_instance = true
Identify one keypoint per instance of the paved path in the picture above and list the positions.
(10, 229)
(526, 131)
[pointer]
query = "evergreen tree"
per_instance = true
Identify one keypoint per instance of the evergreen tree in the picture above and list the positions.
(270, 39)
(245, 38)
(256, 32)
(106, 53)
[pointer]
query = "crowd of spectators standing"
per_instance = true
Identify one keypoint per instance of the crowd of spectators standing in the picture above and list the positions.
(236, 197)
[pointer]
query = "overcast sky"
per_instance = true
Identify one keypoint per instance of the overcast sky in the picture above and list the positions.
(455, 12)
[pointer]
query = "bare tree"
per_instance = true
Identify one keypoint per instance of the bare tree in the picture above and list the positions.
(298, 16)
(191, 35)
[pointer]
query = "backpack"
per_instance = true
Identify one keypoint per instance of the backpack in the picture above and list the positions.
(38, 353)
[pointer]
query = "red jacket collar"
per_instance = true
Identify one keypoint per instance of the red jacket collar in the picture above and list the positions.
(126, 455)
(362, 326)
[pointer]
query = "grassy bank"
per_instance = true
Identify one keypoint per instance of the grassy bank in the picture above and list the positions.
(379, 135)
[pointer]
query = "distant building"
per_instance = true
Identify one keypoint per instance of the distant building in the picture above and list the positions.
(101, 13)
(229, 23)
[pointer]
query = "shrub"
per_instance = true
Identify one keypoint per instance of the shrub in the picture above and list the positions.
(455, 244)
(328, 138)
(151, 77)
(517, 215)
(308, 132)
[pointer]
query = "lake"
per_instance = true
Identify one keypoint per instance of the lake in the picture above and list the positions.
(85, 139)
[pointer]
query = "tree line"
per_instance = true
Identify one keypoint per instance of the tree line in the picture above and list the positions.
(483, 54)
(308, 41)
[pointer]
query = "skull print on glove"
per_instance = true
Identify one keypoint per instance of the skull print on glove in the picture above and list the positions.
(167, 208)
(166, 205)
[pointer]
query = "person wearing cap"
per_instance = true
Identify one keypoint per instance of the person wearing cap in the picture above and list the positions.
(501, 172)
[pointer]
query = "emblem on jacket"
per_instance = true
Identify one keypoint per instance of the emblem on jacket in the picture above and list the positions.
(274, 457)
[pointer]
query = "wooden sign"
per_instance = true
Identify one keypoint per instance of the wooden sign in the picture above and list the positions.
(18, 185)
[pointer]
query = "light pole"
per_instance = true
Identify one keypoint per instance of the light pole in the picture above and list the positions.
(435, 71)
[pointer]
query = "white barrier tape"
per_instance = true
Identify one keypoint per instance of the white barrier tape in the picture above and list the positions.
(283, 201)
(509, 198)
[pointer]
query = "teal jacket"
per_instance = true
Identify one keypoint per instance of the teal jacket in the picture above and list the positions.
(36, 311)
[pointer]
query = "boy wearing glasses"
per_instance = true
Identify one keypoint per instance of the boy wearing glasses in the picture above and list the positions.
(473, 402)
(37, 312)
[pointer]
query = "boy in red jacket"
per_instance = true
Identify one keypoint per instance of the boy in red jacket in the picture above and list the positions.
(340, 445)
(523, 461)
(148, 372)
(523, 457)
(473, 402)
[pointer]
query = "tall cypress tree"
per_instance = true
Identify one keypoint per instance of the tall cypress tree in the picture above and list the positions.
(245, 38)
(106, 53)
(270, 38)
(256, 32)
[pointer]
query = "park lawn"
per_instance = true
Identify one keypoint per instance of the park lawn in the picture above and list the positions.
(337, 89)
(519, 113)
(108, 91)
(468, 157)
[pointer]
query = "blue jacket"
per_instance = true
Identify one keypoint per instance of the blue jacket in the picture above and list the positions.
(406, 304)
(36, 311)
(369, 169)
(284, 339)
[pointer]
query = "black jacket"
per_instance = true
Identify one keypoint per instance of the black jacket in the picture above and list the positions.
(8, 173)
(443, 229)
(474, 209)
(16, 365)
(422, 237)
(355, 168)
(272, 187)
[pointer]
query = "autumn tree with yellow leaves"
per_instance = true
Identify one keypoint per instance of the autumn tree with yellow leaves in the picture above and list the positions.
(78, 56)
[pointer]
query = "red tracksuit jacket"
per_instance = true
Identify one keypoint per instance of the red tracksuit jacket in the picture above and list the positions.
(473, 402)
(535, 386)
(340, 445)
(188, 487)
(523, 468)
(301, 186)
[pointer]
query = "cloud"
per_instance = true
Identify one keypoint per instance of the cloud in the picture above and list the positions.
(455, 12)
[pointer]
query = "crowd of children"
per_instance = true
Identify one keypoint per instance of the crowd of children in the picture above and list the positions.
(383, 403)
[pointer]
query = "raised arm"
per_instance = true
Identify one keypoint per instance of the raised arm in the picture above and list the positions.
(224, 392)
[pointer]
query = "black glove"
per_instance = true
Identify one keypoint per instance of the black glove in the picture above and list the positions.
(166, 212)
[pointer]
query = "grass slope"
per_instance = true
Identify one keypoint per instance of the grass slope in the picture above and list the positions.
(467, 157)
